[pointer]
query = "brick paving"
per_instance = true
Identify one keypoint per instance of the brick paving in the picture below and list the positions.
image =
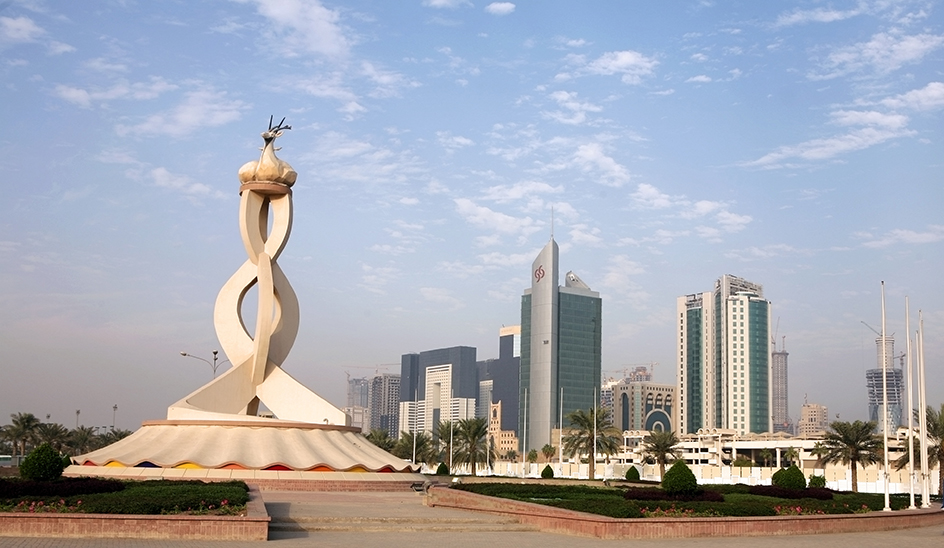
(400, 520)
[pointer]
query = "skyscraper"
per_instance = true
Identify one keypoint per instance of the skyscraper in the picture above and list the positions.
(724, 365)
(445, 386)
(560, 347)
(498, 379)
(894, 378)
(778, 391)
(384, 403)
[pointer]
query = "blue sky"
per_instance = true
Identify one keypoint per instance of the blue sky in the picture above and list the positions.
(795, 144)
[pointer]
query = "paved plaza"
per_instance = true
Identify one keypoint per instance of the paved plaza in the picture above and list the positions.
(400, 520)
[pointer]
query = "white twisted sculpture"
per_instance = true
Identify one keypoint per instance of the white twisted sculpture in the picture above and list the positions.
(257, 374)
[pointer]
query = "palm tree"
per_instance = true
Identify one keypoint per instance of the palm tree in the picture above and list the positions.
(765, 456)
(548, 451)
(83, 439)
(22, 430)
(511, 455)
(56, 435)
(661, 447)
(469, 439)
(445, 440)
(850, 443)
(790, 455)
(580, 439)
(113, 435)
(425, 451)
(935, 422)
(380, 438)
(532, 456)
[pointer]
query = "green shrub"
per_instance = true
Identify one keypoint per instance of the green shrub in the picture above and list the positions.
(679, 479)
(789, 478)
(442, 469)
(547, 473)
(742, 462)
(603, 507)
(817, 481)
(42, 464)
(12, 488)
(632, 474)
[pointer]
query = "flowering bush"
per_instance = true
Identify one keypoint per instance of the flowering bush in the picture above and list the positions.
(791, 510)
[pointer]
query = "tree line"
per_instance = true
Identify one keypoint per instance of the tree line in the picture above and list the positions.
(26, 432)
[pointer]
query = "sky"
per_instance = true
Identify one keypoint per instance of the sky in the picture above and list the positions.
(438, 143)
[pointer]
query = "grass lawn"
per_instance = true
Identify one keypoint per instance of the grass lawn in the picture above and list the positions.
(108, 496)
(737, 501)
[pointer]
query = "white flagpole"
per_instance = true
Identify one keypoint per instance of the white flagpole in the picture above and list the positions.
(415, 413)
(524, 442)
(888, 507)
(911, 476)
(560, 437)
(923, 419)
(593, 458)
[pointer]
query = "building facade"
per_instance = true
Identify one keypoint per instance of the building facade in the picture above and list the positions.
(498, 379)
(643, 405)
(384, 403)
(885, 355)
(560, 348)
(778, 392)
(444, 386)
(723, 357)
(814, 421)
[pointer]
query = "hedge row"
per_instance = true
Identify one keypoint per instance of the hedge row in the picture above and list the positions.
(643, 493)
(11, 488)
(157, 497)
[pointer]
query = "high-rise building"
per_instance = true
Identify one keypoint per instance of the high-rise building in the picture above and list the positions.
(778, 391)
(723, 358)
(893, 384)
(445, 387)
(644, 405)
(384, 403)
(814, 420)
(560, 347)
(498, 379)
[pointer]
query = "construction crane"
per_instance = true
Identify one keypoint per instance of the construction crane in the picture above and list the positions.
(773, 338)
(651, 367)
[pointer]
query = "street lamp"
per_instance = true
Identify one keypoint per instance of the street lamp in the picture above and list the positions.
(114, 412)
(212, 365)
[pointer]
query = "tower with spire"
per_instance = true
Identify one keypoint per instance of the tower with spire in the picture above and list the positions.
(560, 347)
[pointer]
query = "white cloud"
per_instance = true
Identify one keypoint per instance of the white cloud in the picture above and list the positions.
(699, 57)
(387, 83)
(882, 54)
(138, 91)
(165, 179)
(453, 142)
(929, 97)
(441, 296)
(500, 8)
(632, 65)
(19, 30)
(935, 233)
(58, 48)
(508, 259)
(766, 252)
(592, 158)
(409, 201)
(199, 108)
(702, 208)
(650, 197)
(519, 191)
(700, 79)
(826, 148)
(489, 219)
(445, 3)
(618, 278)
(818, 15)
(375, 279)
(732, 222)
(869, 118)
(304, 26)
(575, 112)
(581, 234)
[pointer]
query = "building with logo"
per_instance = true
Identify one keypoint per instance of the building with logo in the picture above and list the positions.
(560, 348)
(723, 357)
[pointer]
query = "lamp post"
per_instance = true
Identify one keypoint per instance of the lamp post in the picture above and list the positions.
(114, 413)
(213, 365)
(77, 412)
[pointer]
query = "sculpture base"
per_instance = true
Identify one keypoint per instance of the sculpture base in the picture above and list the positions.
(243, 445)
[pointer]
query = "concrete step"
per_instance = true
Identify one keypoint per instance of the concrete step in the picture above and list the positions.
(394, 524)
